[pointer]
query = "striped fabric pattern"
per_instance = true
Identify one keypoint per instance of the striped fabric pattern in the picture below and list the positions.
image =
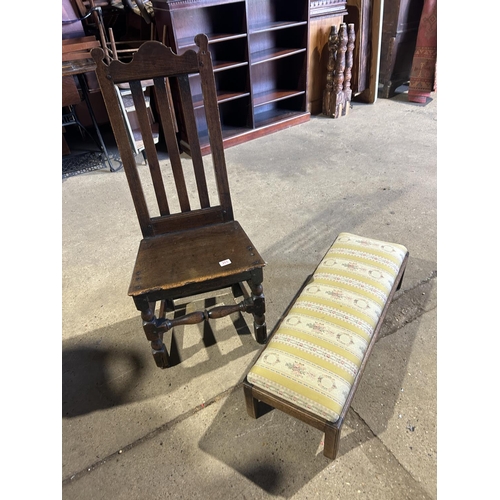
(314, 356)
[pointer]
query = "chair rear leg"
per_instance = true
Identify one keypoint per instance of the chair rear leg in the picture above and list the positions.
(238, 291)
(259, 308)
(161, 356)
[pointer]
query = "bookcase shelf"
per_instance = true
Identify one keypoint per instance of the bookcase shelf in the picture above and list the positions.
(222, 96)
(275, 25)
(274, 96)
(188, 43)
(260, 55)
(273, 53)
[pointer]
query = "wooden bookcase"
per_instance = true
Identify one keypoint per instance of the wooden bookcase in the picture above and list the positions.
(260, 54)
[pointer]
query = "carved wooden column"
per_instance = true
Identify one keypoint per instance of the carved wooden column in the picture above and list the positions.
(329, 93)
(338, 75)
(337, 95)
(351, 38)
(323, 15)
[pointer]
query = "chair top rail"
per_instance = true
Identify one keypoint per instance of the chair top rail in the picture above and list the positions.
(157, 63)
(152, 60)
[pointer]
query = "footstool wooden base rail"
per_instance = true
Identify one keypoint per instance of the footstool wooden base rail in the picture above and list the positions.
(314, 359)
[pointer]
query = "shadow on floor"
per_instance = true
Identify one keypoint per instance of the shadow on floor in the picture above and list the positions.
(99, 373)
(271, 450)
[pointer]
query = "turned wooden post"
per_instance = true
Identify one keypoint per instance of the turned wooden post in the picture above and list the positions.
(338, 77)
(258, 312)
(337, 95)
(153, 333)
(328, 94)
(351, 37)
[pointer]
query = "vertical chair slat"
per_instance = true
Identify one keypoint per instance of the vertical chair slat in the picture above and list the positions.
(126, 154)
(194, 143)
(213, 122)
(166, 116)
(149, 145)
(154, 61)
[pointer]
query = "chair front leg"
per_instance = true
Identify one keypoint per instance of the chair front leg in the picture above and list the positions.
(153, 332)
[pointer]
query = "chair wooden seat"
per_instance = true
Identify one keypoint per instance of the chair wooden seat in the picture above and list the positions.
(191, 245)
(214, 254)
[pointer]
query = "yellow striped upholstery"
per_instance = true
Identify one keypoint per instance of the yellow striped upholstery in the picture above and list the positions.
(314, 356)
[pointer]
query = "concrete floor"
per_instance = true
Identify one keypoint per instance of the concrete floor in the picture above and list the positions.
(133, 431)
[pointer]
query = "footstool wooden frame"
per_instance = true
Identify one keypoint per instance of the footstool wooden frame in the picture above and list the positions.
(315, 357)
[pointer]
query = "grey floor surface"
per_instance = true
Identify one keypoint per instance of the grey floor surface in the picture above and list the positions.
(133, 431)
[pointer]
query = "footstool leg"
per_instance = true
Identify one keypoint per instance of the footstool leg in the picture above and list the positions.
(400, 281)
(251, 402)
(332, 440)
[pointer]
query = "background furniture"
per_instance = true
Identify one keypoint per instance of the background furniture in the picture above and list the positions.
(99, 17)
(124, 52)
(399, 38)
(131, 119)
(77, 62)
(338, 93)
(423, 70)
(260, 54)
(323, 15)
(74, 27)
(366, 15)
(191, 242)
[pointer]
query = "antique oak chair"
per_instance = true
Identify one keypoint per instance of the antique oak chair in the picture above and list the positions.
(191, 244)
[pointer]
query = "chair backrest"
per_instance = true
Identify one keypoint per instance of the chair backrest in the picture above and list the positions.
(154, 61)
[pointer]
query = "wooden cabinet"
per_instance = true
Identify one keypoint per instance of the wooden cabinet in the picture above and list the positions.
(399, 38)
(366, 15)
(260, 55)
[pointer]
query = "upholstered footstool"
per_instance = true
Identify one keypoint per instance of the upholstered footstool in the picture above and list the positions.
(313, 361)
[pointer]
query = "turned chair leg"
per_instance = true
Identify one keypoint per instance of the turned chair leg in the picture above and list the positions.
(258, 310)
(154, 335)
(155, 327)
